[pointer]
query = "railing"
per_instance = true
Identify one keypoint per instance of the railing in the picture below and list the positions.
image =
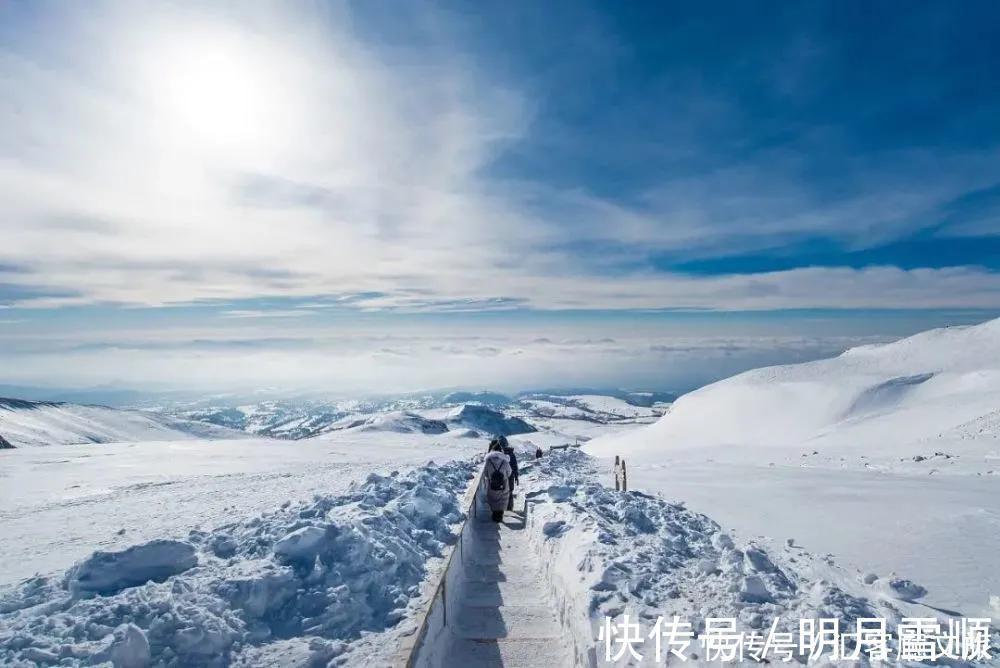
(621, 475)
(406, 654)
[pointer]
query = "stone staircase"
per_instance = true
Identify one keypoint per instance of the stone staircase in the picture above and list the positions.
(506, 616)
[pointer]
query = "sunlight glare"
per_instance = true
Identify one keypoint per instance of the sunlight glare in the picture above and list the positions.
(217, 92)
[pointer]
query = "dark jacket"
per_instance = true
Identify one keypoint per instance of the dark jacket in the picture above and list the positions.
(509, 451)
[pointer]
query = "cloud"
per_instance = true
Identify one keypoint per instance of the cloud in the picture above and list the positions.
(332, 163)
(375, 363)
(248, 313)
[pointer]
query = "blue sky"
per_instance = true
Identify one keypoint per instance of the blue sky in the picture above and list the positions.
(185, 182)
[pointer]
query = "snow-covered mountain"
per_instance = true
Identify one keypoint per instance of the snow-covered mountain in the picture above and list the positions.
(31, 423)
(298, 419)
(305, 418)
(925, 392)
(272, 418)
(488, 422)
(591, 407)
(396, 421)
(886, 456)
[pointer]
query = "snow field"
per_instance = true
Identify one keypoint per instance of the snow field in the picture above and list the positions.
(882, 401)
(29, 424)
(323, 578)
(609, 553)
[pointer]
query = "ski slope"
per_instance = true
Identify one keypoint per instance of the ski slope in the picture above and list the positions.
(885, 457)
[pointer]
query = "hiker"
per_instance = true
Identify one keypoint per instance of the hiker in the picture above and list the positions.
(538, 452)
(514, 480)
(496, 477)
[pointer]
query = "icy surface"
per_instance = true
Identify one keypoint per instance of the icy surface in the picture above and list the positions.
(320, 572)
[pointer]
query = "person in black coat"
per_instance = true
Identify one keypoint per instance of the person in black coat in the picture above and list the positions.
(514, 480)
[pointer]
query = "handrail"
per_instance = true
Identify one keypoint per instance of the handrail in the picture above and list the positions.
(407, 652)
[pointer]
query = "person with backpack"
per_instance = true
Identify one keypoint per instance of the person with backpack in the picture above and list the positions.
(514, 479)
(496, 478)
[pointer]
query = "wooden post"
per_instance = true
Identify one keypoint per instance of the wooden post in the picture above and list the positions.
(624, 477)
(617, 474)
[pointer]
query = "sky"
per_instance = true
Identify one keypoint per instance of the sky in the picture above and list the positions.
(380, 196)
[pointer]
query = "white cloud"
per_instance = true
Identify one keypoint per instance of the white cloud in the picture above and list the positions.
(253, 313)
(179, 153)
(373, 362)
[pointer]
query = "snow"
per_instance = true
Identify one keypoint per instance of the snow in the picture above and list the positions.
(590, 407)
(865, 485)
(60, 503)
(611, 553)
(881, 398)
(487, 421)
(885, 457)
(332, 570)
(397, 421)
(31, 423)
(108, 573)
(610, 406)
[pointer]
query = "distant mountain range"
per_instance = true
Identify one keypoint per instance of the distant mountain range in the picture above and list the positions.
(478, 413)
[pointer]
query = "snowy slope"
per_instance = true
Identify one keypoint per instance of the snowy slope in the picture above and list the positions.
(396, 421)
(609, 554)
(879, 399)
(31, 423)
(303, 578)
(886, 457)
(487, 421)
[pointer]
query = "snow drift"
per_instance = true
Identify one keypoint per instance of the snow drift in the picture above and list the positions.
(309, 579)
(611, 553)
(943, 382)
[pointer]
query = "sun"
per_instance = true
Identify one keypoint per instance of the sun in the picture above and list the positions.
(216, 91)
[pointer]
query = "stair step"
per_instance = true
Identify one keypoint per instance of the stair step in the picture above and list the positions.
(513, 572)
(498, 553)
(478, 594)
(506, 621)
(510, 653)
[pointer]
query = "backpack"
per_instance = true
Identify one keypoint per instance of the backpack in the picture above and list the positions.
(498, 481)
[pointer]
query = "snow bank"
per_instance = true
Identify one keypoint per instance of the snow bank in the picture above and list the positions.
(879, 397)
(108, 573)
(612, 553)
(310, 578)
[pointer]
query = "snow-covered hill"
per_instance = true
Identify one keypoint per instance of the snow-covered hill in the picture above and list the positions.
(31, 423)
(887, 456)
(296, 419)
(487, 421)
(396, 421)
(599, 408)
(893, 400)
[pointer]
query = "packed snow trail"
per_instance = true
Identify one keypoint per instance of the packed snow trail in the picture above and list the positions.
(505, 615)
